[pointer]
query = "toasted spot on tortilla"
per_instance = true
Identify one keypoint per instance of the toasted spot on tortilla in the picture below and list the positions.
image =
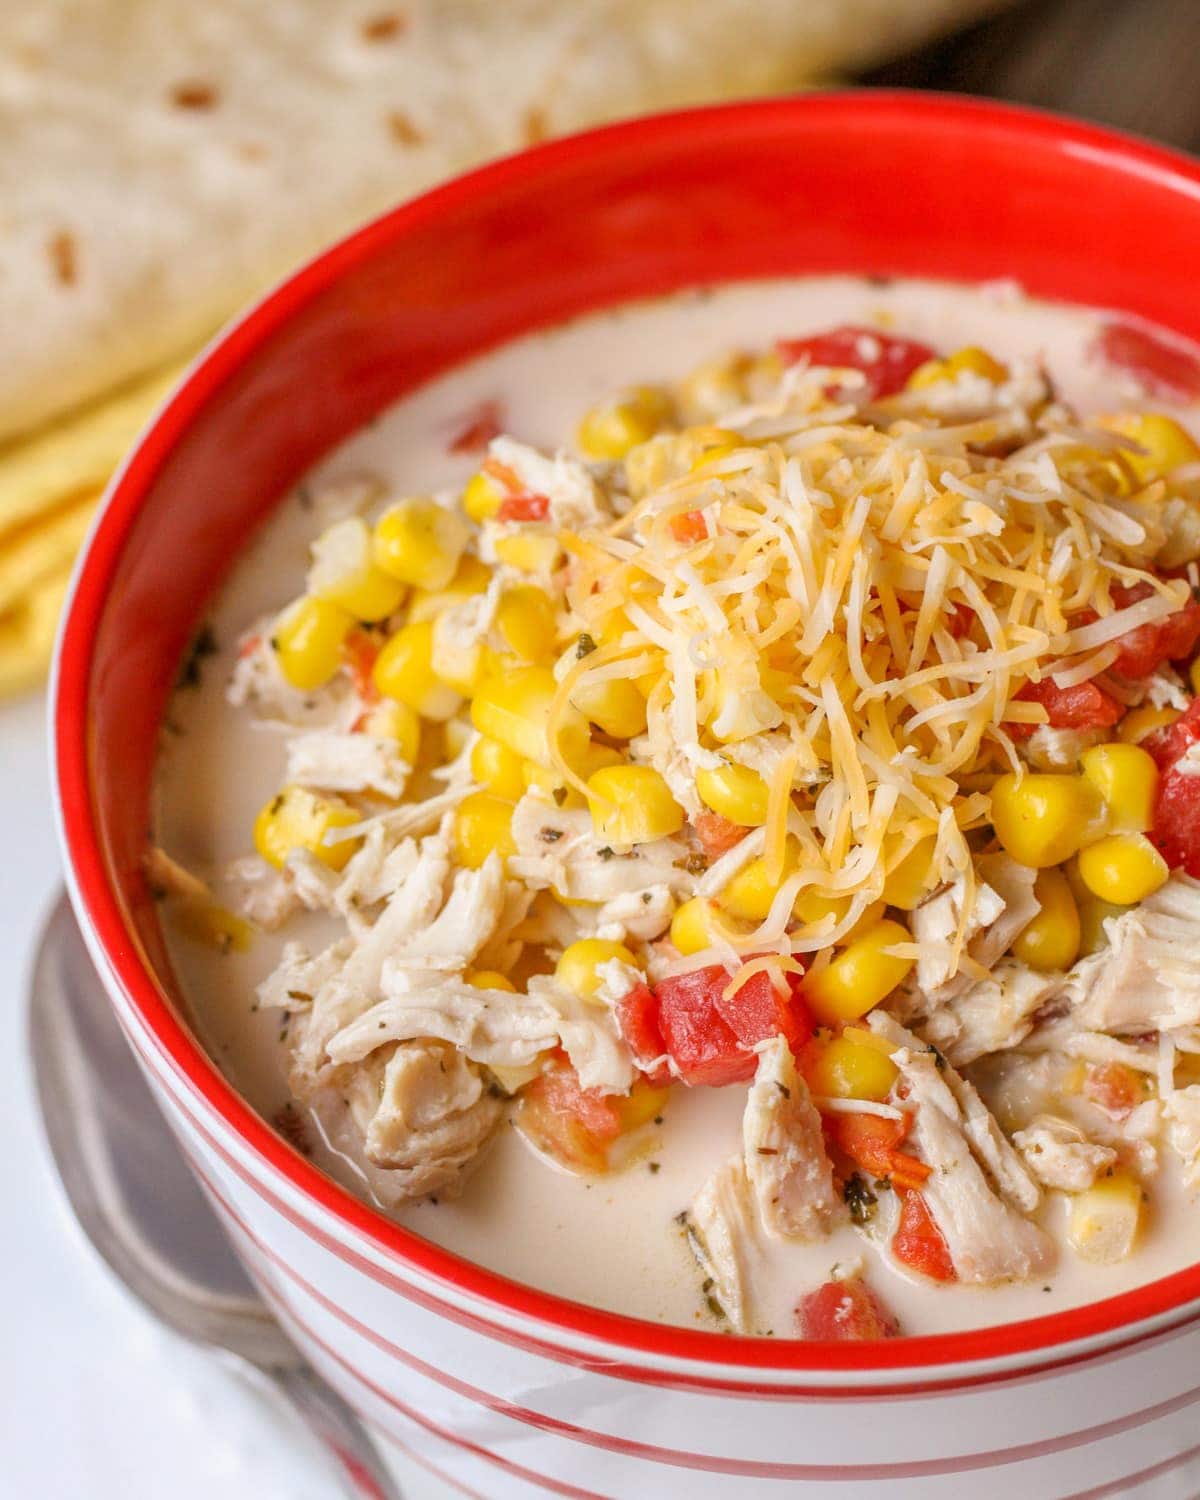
(194, 93)
(63, 250)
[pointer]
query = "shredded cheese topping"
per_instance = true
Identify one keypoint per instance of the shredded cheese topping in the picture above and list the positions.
(869, 590)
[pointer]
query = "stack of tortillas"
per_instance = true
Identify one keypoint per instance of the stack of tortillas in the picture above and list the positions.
(162, 161)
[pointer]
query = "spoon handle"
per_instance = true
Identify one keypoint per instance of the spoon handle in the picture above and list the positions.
(328, 1418)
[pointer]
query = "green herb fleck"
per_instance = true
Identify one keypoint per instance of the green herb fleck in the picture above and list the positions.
(860, 1200)
(204, 644)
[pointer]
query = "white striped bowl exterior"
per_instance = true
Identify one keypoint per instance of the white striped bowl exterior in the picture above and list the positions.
(468, 1389)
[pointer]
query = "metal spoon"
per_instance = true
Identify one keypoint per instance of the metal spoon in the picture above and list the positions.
(144, 1212)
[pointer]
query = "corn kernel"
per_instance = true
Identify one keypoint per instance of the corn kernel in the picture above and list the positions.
(712, 443)
(308, 638)
(513, 1080)
(734, 791)
(1127, 779)
(471, 578)
(390, 720)
(1167, 445)
(1139, 722)
(643, 1103)
(1122, 868)
(715, 386)
(498, 768)
(482, 825)
(404, 670)
(611, 429)
(616, 706)
(1043, 819)
(584, 762)
(457, 734)
(525, 620)
(344, 572)
(578, 967)
(1105, 1218)
(299, 819)
(482, 498)
(549, 782)
(1093, 914)
(420, 542)
(691, 926)
(977, 361)
(489, 979)
(529, 551)
(214, 926)
(912, 879)
(860, 976)
(750, 892)
(632, 805)
(1051, 940)
(514, 708)
(811, 907)
(845, 1069)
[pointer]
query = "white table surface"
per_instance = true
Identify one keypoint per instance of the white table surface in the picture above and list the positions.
(97, 1402)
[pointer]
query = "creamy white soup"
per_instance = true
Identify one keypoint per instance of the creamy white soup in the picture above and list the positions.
(697, 810)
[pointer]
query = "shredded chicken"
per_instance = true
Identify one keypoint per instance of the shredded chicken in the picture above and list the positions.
(936, 924)
(788, 1169)
(1148, 978)
(990, 1014)
(1182, 1112)
(424, 1114)
(723, 1233)
(336, 761)
(557, 849)
(1060, 1156)
(1004, 904)
(981, 1215)
(1049, 749)
(493, 1027)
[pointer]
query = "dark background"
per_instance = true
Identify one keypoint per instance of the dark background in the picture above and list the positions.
(1130, 63)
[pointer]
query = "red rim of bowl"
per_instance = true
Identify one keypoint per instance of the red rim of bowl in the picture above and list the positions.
(1069, 1334)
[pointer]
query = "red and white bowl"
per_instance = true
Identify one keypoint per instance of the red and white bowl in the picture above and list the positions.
(509, 1391)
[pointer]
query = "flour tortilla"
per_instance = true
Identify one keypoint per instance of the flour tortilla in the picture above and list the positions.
(162, 161)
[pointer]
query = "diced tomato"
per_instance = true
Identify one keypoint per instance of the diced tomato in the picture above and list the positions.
(710, 1038)
(1141, 650)
(361, 650)
(1165, 368)
(703, 1045)
(844, 1312)
(1114, 1087)
(637, 1017)
(872, 1142)
(689, 526)
(918, 1241)
(959, 619)
(574, 1124)
(757, 1010)
(1176, 828)
(886, 361)
(717, 834)
(524, 508)
(1084, 706)
(1166, 745)
(479, 428)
